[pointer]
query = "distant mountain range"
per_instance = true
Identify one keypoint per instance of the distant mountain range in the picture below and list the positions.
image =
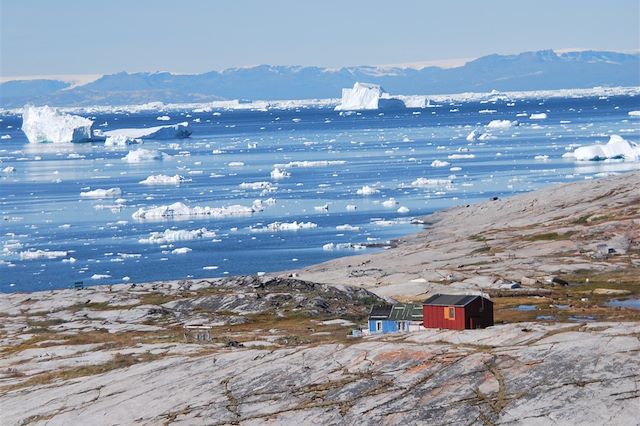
(539, 70)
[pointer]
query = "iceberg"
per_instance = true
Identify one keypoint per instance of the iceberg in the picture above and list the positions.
(501, 124)
(46, 124)
(616, 149)
(538, 116)
(102, 193)
(181, 211)
(366, 96)
(285, 226)
(171, 131)
(171, 236)
(367, 190)
(141, 154)
(120, 140)
(164, 180)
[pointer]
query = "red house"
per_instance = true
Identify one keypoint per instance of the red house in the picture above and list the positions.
(457, 312)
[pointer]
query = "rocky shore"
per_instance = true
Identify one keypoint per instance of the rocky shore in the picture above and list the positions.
(255, 350)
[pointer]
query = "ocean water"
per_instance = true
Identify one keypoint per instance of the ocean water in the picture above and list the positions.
(386, 150)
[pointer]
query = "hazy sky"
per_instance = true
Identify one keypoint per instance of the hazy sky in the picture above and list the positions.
(49, 37)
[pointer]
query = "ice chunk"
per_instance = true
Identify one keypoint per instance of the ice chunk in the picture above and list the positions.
(539, 116)
(181, 250)
(46, 124)
(170, 236)
(425, 182)
(342, 246)
(365, 96)
(347, 227)
(102, 193)
(163, 118)
(100, 276)
(460, 156)
(4, 137)
(501, 124)
(285, 226)
(634, 113)
(321, 163)
(473, 135)
(367, 190)
(141, 154)
(277, 174)
(171, 131)
(41, 254)
(164, 180)
(181, 211)
(9, 169)
(541, 157)
(403, 210)
(121, 140)
(438, 163)
(390, 203)
(616, 148)
(266, 186)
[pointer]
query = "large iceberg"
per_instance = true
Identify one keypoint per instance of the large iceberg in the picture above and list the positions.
(616, 149)
(365, 96)
(171, 131)
(46, 124)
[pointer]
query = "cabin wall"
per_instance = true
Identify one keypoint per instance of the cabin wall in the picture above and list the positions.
(388, 326)
(434, 317)
(482, 314)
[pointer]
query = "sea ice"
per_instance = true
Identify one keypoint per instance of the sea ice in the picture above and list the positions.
(367, 190)
(141, 154)
(285, 226)
(403, 210)
(277, 174)
(634, 113)
(181, 250)
(46, 124)
(438, 163)
(501, 124)
(171, 131)
(121, 140)
(539, 116)
(347, 227)
(164, 180)
(616, 148)
(42, 254)
(321, 163)
(181, 211)
(425, 182)
(102, 193)
(171, 235)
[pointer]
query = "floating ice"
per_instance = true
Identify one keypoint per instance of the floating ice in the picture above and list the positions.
(342, 246)
(181, 211)
(181, 250)
(41, 254)
(3, 137)
(9, 169)
(438, 163)
(277, 174)
(634, 113)
(121, 140)
(46, 124)
(501, 124)
(102, 193)
(163, 118)
(285, 226)
(390, 203)
(322, 163)
(424, 182)
(141, 154)
(365, 96)
(171, 235)
(539, 116)
(267, 186)
(171, 131)
(616, 148)
(541, 157)
(236, 164)
(367, 190)
(403, 210)
(460, 156)
(351, 207)
(164, 180)
(347, 227)
(473, 135)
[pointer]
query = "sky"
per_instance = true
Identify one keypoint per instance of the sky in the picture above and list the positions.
(87, 37)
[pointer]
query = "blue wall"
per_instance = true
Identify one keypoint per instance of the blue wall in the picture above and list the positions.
(388, 326)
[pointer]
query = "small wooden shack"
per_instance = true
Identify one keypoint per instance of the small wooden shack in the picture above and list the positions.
(457, 312)
(401, 317)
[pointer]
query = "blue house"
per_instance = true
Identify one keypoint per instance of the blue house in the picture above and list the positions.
(398, 318)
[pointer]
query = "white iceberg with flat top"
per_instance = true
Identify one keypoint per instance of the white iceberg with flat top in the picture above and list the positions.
(181, 211)
(46, 124)
(616, 149)
(171, 131)
(366, 96)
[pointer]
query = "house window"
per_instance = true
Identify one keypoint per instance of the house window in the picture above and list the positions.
(449, 313)
(378, 325)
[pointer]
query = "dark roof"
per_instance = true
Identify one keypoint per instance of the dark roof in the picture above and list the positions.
(397, 312)
(451, 299)
(380, 312)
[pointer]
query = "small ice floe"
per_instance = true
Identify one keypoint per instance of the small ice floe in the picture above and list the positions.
(538, 116)
(164, 180)
(210, 268)
(100, 276)
(322, 208)
(634, 113)
(347, 227)
(181, 211)
(139, 155)
(501, 124)
(367, 190)
(163, 118)
(541, 157)
(351, 207)
(342, 246)
(616, 149)
(460, 156)
(425, 182)
(403, 210)
(9, 170)
(42, 254)
(236, 164)
(322, 163)
(5, 137)
(257, 186)
(474, 135)
(438, 163)
(171, 236)
(171, 131)
(284, 227)
(455, 169)
(102, 193)
(277, 174)
(390, 203)
(121, 140)
(181, 250)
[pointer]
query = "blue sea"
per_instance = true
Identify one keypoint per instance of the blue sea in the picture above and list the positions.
(388, 152)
